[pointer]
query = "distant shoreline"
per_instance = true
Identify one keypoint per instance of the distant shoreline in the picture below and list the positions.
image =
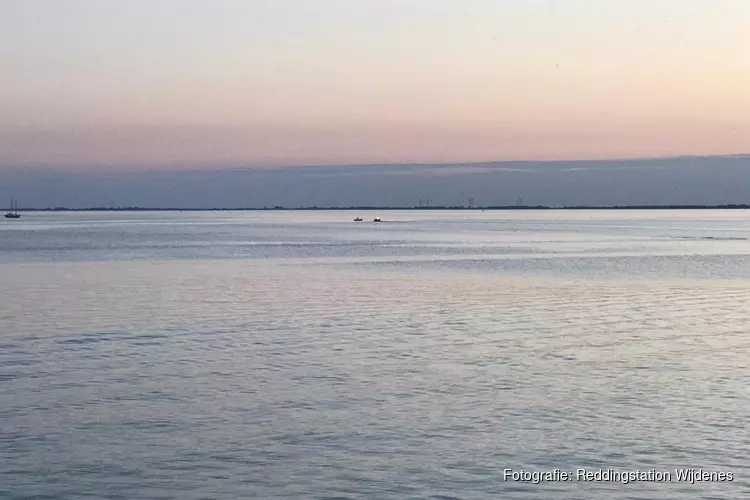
(369, 208)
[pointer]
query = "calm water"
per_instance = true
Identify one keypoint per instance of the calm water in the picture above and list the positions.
(303, 355)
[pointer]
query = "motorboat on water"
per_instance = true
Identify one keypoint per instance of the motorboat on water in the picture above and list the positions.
(377, 219)
(358, 219)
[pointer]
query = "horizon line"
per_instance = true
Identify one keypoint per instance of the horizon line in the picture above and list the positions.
(279, 208)
(137, 168)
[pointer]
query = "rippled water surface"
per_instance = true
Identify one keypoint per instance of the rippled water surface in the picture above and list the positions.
(274, 355)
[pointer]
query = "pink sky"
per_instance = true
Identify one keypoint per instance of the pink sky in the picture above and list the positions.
(133, 84)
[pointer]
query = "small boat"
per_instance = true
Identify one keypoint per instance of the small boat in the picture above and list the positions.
(358, 219)
(13, 212)
(377, 219)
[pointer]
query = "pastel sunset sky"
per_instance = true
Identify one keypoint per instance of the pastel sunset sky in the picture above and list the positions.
(138, 84)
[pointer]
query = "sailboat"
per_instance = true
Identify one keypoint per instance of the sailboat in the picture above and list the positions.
(13, 212)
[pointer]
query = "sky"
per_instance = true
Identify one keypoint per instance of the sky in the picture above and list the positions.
(661, 181)
(119, 86)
